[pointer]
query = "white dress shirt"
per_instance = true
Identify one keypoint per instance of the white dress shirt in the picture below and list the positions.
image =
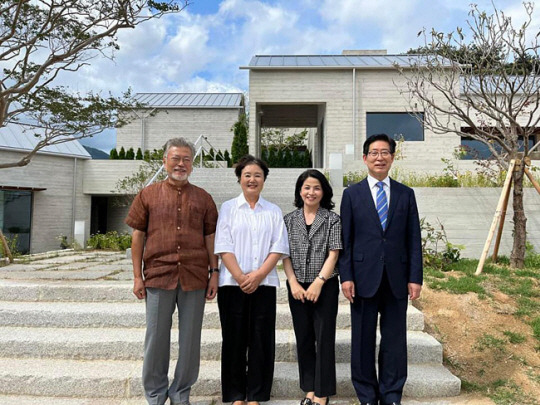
(251, 234)
(372, 181)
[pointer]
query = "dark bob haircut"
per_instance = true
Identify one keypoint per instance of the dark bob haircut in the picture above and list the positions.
(247, 160)
(326, 201)
(380, 137)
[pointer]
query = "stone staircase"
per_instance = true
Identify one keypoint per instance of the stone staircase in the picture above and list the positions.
(71, 332)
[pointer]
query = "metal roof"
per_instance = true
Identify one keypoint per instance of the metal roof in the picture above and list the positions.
(336, 61)
(20, 138)
(191, 100)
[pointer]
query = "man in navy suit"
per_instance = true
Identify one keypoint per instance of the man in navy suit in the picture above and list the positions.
(380, 265)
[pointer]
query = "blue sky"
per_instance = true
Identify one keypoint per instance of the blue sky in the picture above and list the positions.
(201, 48)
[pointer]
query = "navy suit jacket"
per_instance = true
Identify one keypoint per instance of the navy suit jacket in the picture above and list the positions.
(367, 249)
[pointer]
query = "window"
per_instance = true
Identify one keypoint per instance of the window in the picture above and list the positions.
(15, 217)
(478, 150)
(395, 125)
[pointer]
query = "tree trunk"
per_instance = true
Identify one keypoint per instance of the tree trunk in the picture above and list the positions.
(517, 257)
(7, 252)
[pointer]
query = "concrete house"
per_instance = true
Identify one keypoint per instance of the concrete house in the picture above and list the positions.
(343, 99)
(45, 199)
(168, 115)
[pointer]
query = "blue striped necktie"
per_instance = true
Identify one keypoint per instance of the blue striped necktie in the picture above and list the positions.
(382, 205)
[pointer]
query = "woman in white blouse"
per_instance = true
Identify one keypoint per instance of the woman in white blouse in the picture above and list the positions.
(315, 241)
(250, 238)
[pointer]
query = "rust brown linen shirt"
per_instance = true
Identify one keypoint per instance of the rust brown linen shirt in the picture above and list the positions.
(175, 220)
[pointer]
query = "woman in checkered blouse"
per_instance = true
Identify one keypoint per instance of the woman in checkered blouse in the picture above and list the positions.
(315, 241)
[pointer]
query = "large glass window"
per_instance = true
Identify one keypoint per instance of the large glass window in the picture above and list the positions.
(478, 150)
(15, 217)
(396, 125)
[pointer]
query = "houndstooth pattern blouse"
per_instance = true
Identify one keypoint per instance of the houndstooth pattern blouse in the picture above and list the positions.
(309, 251)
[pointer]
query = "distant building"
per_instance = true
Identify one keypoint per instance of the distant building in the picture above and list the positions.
(189, 115)
(43, 200)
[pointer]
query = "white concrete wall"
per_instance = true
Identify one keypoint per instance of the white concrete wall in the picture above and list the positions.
(101, 176)
(180, 122)
(52, 211)
(467, 214)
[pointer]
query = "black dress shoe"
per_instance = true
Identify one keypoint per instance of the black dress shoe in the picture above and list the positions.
(306, 401)
(369, 403)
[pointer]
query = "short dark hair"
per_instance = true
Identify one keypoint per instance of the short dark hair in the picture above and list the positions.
(326, 201)
(247, 160)
(380, 137)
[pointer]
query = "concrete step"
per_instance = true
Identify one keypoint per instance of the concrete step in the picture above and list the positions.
(89, 291)
(122, 379)
(30, 400)
(127, 344)
(132, 315)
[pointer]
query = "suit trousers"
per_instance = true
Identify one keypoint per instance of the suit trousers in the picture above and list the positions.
(315, 330)
(248, 325)
(392, 361)
(160, 306)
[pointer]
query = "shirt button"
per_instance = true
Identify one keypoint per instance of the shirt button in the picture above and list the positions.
(177, 227)
(179, 209)
(178, 247)
(179, 263)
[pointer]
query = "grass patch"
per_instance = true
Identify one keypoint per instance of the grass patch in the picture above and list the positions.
(526, 306)
(459, 285)
(432, 272)
(504, 392)
(533, 273)
(514, 337)
(487, 341)
(535, 325)
(469, 386)
(520, 287)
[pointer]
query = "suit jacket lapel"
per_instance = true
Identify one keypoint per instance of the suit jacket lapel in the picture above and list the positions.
(300, 222)
(395, 195)
(317, 222)
(367, 199)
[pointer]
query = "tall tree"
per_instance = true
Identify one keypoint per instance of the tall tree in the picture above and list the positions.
(240, 145)
(489, 92)
(40, 39)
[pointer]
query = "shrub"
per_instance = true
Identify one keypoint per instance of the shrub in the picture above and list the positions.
(240, 146)
(110, 241)
(437, 251)
(227, 157)
(122, 153)
(139, 155)
(113, 155)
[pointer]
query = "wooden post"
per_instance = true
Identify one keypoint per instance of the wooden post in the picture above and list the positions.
(506, 187)
(533, 180)
(5, 247)
(501, 225)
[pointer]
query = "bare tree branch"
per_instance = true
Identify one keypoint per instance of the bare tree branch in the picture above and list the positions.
(41, 38)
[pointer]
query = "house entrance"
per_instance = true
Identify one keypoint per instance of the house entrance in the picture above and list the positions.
(291, 132)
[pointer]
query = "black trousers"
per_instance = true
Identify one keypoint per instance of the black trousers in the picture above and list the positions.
(248, 325)
(315, 330)
(388, 387)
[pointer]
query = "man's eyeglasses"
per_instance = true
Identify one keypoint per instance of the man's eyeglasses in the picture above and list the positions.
(375, 153)
(177, 159)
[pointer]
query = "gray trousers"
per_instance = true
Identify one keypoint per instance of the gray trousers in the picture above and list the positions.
(160, 306)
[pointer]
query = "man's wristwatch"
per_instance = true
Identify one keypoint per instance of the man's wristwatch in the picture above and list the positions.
(214, 270)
